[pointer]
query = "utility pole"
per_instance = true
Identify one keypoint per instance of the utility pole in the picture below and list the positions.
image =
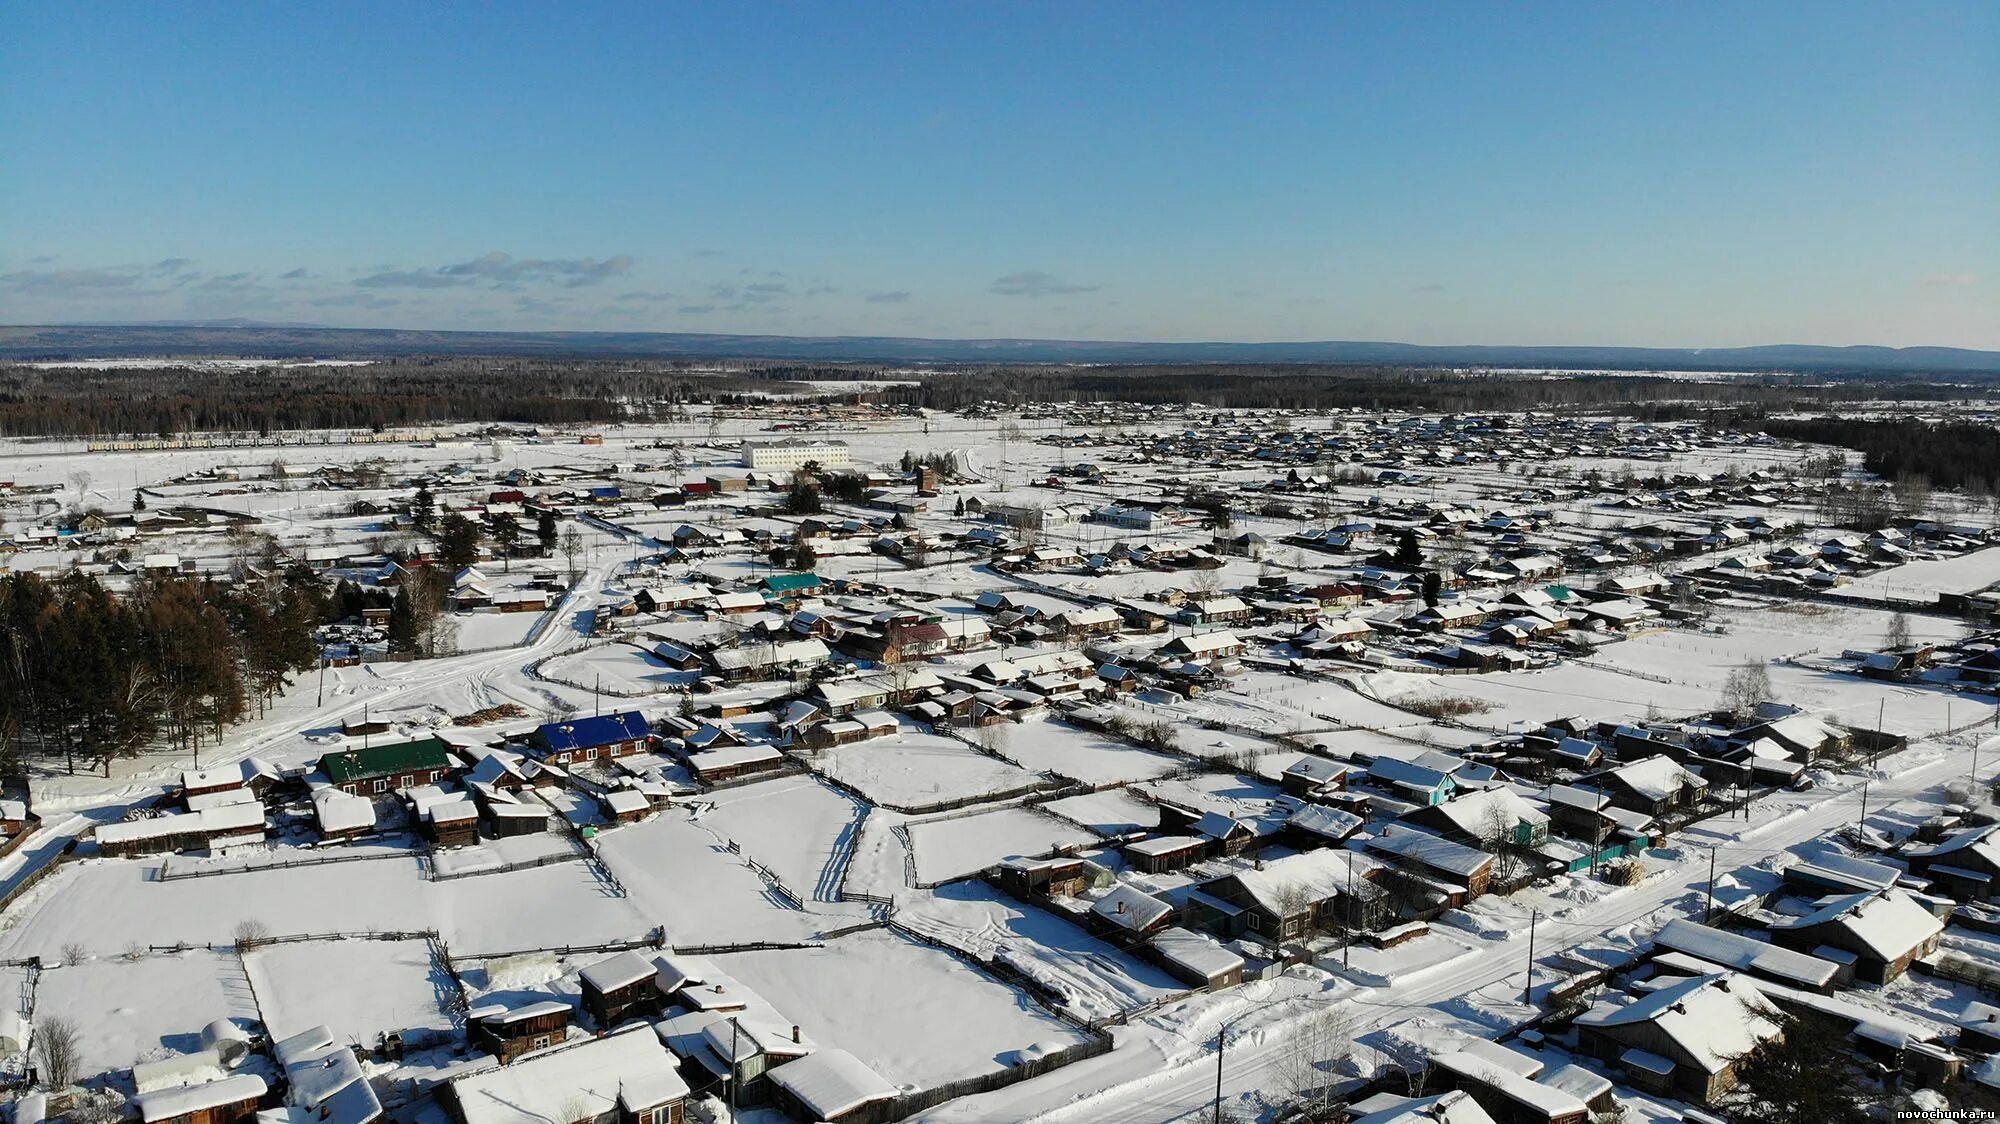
(1528, 988)
(1862, 824)
(320, 699)
(1710, 914)
(1348, 921)
(734, 1026)
(1221, 1040)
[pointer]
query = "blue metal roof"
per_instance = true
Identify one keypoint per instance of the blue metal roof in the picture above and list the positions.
(585, 733)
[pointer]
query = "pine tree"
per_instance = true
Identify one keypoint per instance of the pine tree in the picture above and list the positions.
(545, 531)
(423, 508)
(458, 542)
(1408, 554)
(506, 532)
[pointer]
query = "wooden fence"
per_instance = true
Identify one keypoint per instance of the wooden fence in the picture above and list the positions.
(169, 874)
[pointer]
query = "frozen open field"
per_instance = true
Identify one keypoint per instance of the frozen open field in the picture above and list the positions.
(912, 769)
(950, 848)
(917, 1015)
(359, 989)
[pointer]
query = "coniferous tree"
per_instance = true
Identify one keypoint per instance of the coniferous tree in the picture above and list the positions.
(458, 542)
(423, 508)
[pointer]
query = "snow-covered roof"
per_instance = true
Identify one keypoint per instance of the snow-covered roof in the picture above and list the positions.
(1162, 844)
(1547, 1101)
(1889, 923)
(1318, 875)
(169, 1103)
(1198, 952)
(1320, 819)
(1454, 1107)
(1474, 812)
(831, 1083)
(339, 811)
(1734, 950)
(1713, 1019)
(621, 970)
(1432, 851)
(1656, 778)
(577, 1082)
(1130, 908)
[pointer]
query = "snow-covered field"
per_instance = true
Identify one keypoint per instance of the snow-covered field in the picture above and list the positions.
(917, 1015)
(912, 769)
(1053, 746)
(961, 845)
(131, 1008)
(358, 989)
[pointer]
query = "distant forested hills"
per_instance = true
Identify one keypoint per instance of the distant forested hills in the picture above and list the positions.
(52, 342)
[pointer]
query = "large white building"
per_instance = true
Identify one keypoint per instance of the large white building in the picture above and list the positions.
(793, 453)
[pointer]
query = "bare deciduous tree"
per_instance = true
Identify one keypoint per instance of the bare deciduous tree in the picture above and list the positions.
(57, 1048)
(1746, 688)
(1898, 634)
(250, 933)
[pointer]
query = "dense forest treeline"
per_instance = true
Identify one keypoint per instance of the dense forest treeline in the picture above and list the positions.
(38, 402)
(1425, 390)
(1945, 454)
(88, 676)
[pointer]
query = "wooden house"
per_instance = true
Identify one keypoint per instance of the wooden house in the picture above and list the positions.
(388, 768)
(509, 1033)
(1161, 854)
(589, 739)
(1195, 959)
(1882, 931)
(625, 1078)
(617, 986)
(1033, 879)
(232, 1100)
(1685, 1040)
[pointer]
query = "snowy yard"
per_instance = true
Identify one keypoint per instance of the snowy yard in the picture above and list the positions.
(357, 988)
(797, 826)
(1070, 751)
(109, 905)
(951, 848)
(1108, 813)
(683, 877)
(145, 1008)
(913, 769)
(916, 1015)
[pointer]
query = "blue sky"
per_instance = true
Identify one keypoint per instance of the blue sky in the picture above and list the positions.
(1658, 174)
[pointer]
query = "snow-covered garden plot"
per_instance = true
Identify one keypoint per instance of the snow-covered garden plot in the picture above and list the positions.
(799, 827)
(1923, 581)
(1097, 979)
(912, 770)
(682, 876)
(357, 988)
(917, 1015)
(622, 669)
(494, 854)
(110, 905)
(1111, 812)
(145, 1008)
(1535, 697)
(483, 629)
(1048, 745)
(880, 865)
(962, 845)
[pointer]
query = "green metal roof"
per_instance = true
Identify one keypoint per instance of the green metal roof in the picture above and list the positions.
(420, 755)
(785, 583)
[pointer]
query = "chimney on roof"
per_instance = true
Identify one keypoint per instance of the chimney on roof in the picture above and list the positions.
(795, 1032)
(1121, 906)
